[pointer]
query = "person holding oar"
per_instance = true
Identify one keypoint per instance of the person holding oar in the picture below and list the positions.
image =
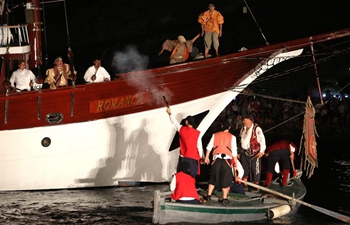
(283, 152)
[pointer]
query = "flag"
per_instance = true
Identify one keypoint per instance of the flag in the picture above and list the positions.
(309, 136)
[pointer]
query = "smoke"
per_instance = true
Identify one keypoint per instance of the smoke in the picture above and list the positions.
(131, 61)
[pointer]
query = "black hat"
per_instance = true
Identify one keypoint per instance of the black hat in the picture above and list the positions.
(225, 125)
(190, 121)
(250, 117)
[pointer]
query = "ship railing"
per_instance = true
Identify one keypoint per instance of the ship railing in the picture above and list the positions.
(14, 35)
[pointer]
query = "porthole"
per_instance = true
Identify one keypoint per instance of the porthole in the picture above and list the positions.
(45, 142)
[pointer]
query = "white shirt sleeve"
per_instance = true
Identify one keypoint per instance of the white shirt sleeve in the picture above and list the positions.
(32, 76)
(176, 124)
(105, 74)
(210, 145)
(88, 74)
(234, 146)
(261, 139)
(240, 169)
(200, 146)
(292, 148)
(173, 183)
(12, 79)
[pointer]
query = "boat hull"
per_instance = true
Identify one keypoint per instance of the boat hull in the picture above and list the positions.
(73, 147)
(240, 209)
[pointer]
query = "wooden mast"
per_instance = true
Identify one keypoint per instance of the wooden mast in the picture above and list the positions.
(33, 14)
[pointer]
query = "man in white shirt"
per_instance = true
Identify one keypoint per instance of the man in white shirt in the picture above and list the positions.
(96, 73)
(22, 79)
(253, 145)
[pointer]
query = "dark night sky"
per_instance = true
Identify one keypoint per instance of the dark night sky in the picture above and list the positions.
(96, 26)
(108, 24)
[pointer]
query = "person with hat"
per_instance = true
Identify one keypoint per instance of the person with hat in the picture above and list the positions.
(180, 49)
(58, 75)
(183, 186)
(224, 150)
(253, 148)
(191, 149)
(96, 73)
(211, 24)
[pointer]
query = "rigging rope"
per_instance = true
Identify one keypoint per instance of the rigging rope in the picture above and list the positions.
(251, 13)
(45, 37)
(65, 13)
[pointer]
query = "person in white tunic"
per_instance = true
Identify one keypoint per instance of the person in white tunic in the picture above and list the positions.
(96, 73)
(22, 79)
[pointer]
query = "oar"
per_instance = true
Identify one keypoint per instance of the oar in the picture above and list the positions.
(336, 215)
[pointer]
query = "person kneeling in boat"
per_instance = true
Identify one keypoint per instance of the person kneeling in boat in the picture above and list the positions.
(237, 186)
(183, 186)
(283, 152)
(96, 73)
(180, 49)
(224, 152)
(58, 75)
(22, 77)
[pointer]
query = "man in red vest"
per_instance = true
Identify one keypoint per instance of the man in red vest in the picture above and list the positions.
(183, 186)
(253, 148)
(191, 149)
(224, 147)
(283, 152)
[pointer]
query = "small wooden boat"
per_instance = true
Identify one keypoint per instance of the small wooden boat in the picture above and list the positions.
(249, 207)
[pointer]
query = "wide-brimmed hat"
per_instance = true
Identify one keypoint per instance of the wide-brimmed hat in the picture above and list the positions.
(181, 38)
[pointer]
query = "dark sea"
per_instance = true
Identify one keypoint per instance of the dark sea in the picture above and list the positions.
(329, 188)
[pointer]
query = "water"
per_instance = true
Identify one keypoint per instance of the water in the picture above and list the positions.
(329, 188)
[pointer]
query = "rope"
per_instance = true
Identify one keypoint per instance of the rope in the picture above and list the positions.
(267, 43)
(274, 98)
(65, 13)
(45, 36)
(47, 2)
(286, 121)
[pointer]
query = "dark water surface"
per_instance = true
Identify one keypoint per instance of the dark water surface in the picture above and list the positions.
(329, 188)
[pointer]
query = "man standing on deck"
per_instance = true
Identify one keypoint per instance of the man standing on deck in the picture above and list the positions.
(211, 24)
(253, 146)
(224, 147)
(191, 149)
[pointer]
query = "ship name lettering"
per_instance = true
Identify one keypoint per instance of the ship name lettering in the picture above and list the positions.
(115, 103)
